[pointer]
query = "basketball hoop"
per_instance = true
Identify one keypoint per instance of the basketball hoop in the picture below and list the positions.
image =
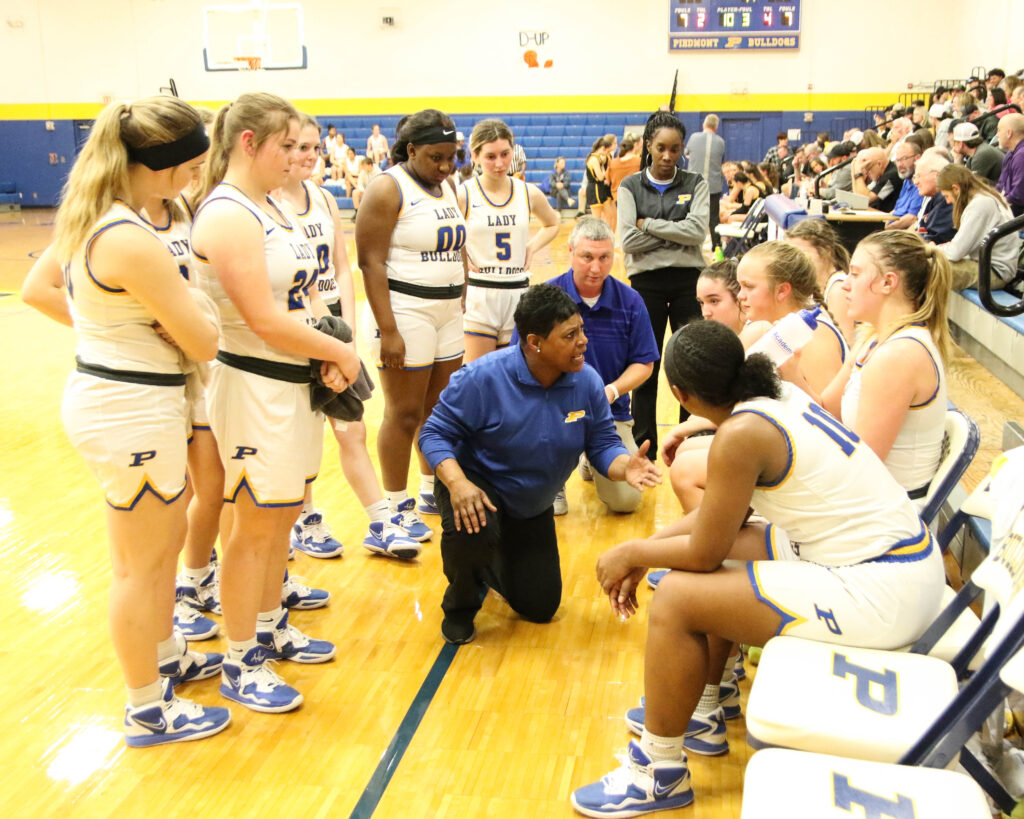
(249, 63)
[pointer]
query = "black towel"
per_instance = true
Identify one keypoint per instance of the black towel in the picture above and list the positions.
(347, 405)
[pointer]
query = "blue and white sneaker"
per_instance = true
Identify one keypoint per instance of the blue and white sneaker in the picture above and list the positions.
(384, 538)
(311, 536)
(296, 595)
(639, 787)
(704, 735)
(192, 623)
(738, 670)
(252, 683)
(172, 719)
(189, 666)
(729, 699)
(427, 504)
(202, 596)
(286, 642)
(654, 578)
(405, 518)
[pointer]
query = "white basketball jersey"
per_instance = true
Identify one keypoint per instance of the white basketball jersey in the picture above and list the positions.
(175, 234)
(826, 319)
(113, 329)
(497, 234)
(291, 268)
(917, 450)
(318, 227)
(835, 280)
(426, 245)
(836, 501)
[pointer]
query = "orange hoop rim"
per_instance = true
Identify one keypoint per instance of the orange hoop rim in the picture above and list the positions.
(248, 63)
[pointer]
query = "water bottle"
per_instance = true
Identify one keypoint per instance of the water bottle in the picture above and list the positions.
(788, 336)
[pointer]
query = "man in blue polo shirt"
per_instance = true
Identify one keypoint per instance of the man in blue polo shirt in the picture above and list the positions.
(908, 205)
(621, 343)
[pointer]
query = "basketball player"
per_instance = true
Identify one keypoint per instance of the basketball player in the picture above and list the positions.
(499, 247)
(317, 212)
(410, 234)
(124, 407)
(256, 263)
(845, 559)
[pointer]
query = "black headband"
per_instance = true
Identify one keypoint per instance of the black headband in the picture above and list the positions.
(171, 154)
(432, 135)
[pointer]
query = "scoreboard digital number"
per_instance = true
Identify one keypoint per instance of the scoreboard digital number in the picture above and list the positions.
(720, 25)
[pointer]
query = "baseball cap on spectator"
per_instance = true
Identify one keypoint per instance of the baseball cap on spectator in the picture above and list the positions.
(840, 150)
(857, 137)
(969, 109)
(938, 111)
(965, 132)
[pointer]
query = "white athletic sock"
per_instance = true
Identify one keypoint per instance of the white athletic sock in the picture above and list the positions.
(396, 498)
(661, 748)
(266, 620)
(196, 576)
(237, 648)
(166, 649)
(708, 700)
(145, 695)
(426, 484)
(378, 512)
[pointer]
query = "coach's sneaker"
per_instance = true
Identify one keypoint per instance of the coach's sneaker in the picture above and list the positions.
(639, 787)
(252, 683)
(704, 735)
(427, 504)
(654, 578)
(311, 536)
(285, 642)
(189, 666)
(172, 719)
(192, 623)
(296, 595)
(202, 595)
(405, 517)
(384, 538)
(729, 699)
(560, 504)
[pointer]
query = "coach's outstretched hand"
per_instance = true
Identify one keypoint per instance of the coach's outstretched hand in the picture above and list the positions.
(641, 472)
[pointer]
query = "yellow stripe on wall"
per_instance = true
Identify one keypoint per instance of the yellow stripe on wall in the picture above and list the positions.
(582, 103)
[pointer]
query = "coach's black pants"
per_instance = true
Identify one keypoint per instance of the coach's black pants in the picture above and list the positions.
(516, 557)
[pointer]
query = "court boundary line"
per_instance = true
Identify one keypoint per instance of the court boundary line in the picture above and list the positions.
(392, 756)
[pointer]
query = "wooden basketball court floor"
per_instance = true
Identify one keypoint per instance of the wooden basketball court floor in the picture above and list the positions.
(398, 725)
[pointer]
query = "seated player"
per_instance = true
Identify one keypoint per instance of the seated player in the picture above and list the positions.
(845, 559)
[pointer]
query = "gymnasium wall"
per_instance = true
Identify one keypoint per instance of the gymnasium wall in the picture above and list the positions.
(63, 58)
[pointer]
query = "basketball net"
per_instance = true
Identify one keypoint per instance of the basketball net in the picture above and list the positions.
(249, 63)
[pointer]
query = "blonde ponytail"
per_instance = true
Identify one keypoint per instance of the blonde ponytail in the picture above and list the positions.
(100, 174)
(263, 114)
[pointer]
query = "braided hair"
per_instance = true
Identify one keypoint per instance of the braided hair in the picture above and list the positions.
(655, 122)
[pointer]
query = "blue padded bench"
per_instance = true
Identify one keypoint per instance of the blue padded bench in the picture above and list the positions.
(996, 342)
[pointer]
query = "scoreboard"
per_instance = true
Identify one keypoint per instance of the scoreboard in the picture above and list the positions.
(712, 25)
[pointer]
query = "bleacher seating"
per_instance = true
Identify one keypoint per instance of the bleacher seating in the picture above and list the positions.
(997, 342)
(543, 136)
(10, 199)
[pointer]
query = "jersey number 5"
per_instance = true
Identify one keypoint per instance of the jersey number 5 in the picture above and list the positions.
(504, 245)
(845, 439)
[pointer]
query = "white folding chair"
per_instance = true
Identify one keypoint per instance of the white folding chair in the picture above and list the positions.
(960, 442)
(744, 236)
(902, 707)
(800, 785)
